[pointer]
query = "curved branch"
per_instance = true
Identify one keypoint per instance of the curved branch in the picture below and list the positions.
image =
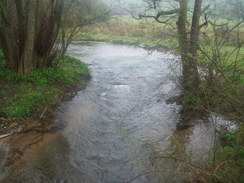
(205, 23)
(205, 9)
(170, 12)
(157, 18)
(160, 14)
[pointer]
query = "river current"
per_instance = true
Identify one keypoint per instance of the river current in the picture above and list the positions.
(119, 127)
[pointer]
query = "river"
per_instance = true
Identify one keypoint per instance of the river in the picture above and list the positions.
(118, 127)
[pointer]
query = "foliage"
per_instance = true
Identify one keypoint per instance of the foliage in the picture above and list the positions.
(228, 161)
(44, 86)
(190, 98)
(65, 72)
(23, 105)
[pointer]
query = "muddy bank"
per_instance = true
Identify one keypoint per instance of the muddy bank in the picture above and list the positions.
(18, 135)
(26, 98)
(18, 125)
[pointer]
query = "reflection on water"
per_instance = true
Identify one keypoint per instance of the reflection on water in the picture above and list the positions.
(119, 126)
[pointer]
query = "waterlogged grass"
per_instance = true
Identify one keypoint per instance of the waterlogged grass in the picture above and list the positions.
(28, 95)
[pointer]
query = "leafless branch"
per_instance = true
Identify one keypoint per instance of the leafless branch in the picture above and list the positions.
(205, 9)
(205, 23)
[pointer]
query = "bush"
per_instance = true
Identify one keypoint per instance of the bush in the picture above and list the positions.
(228, 161)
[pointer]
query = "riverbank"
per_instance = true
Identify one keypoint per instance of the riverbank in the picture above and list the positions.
(210, 97)
(223, 96)
(25, 98)
(140, 42)
(126, 30)
(109, 95)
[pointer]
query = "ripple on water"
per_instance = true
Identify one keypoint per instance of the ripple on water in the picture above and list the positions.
(117, 123)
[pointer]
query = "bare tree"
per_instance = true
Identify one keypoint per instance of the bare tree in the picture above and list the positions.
(77, 16)
(187, 36)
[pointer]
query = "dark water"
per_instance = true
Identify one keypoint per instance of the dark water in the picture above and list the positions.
(117, 124)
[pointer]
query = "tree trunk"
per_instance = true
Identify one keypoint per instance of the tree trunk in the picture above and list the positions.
(194, 36)
(183, 41)
(28, 33)
(27, 60)
(9, 47)
(188, 48)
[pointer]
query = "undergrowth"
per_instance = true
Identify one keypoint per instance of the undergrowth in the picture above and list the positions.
(28, 95)
(226, 98)
(227, 162)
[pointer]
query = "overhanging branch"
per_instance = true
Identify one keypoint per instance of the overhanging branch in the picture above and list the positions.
(205, 23)
(160, 14)
(170, 12)
(205, 8)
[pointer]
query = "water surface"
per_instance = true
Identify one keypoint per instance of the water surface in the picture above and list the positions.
(112, 129)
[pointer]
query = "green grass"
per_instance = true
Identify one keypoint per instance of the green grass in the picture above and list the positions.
(230, 60)
(124, 19)
(2, 92)
(66, 72)
(32, 93)
(23, 105)
(150, 43)
(127, 30)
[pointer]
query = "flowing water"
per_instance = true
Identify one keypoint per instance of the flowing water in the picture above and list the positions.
(111, 130)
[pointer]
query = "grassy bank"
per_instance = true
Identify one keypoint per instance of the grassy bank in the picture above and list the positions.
(29, 96)
(130, 31)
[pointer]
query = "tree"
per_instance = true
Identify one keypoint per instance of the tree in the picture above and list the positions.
(187, 41)
(29, 30)
(77, 15)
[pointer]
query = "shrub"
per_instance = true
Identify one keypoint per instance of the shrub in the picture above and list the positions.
(228, 160)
